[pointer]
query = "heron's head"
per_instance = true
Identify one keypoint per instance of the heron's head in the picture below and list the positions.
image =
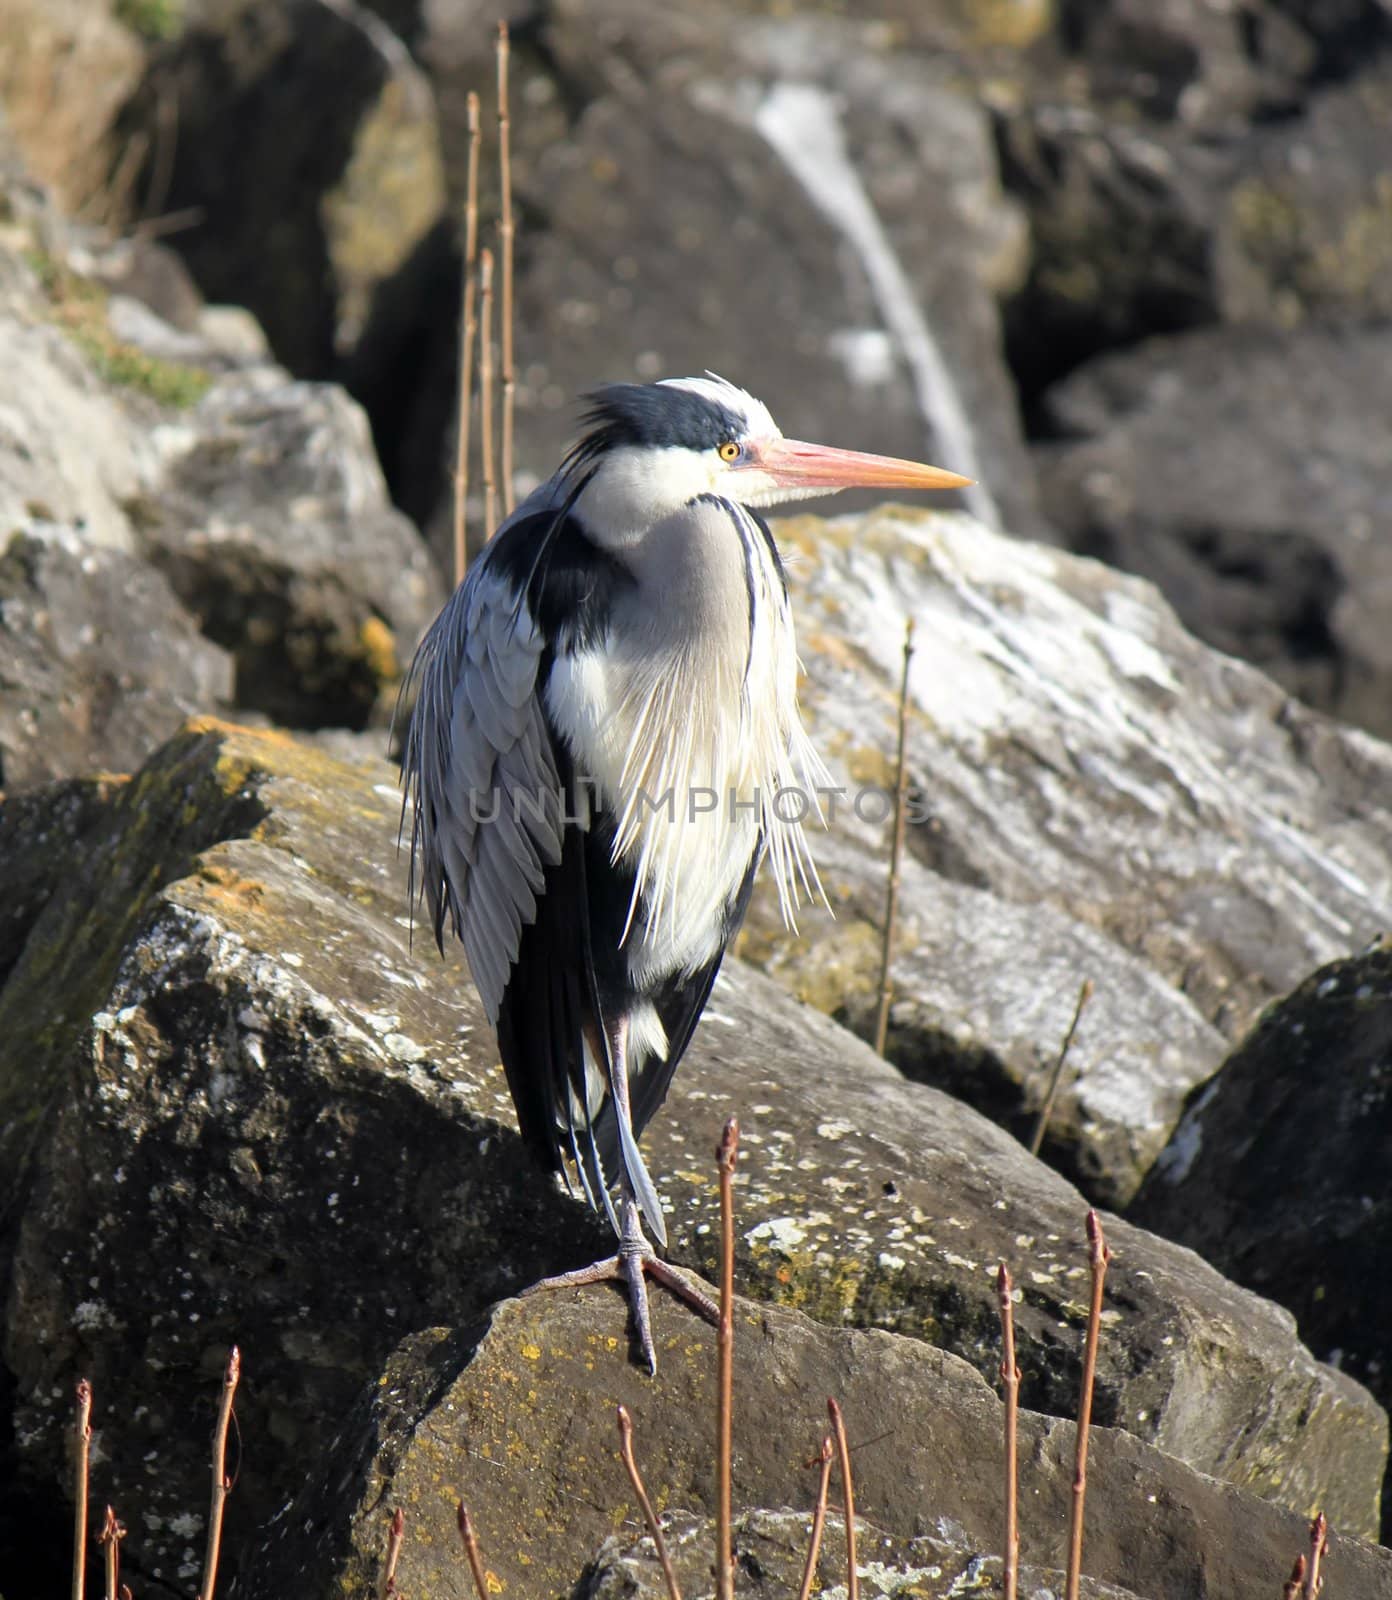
(651, 448)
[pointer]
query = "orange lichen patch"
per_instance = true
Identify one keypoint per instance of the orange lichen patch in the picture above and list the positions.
(221, 881)
(379, 646)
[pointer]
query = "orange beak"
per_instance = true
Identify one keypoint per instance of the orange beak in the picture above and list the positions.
(794, 465)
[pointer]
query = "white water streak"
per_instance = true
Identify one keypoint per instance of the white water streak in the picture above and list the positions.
(803, 126)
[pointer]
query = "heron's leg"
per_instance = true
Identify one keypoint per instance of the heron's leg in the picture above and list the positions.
(636, 1260)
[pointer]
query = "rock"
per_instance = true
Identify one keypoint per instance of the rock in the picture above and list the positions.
(307, 145)
(66, 68)
(1273, 1172)
(791, 202)
(237, 1106)
(102, 663)
(70, 450)
(517, 1418)
(1146, 140)
(41, 841)
(1094, 794)
(272, 522)
(1306, 228)
(771, 1555)
(1251, 499)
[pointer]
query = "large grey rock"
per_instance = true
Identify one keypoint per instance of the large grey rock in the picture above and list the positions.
(1158, 149)
(100, 661)
(125, 436)
(1275, 1171)
(517, 1419)
(1095, 795)
(1244, 472)
(271, 520)
(237, 1106)
(798, 203)
(305, 140)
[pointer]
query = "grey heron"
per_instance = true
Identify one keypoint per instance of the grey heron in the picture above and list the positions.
(605, 722)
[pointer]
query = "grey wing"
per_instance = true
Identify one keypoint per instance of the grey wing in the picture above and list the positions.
(481, 776)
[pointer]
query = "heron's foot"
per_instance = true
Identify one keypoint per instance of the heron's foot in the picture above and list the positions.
(635, 1262)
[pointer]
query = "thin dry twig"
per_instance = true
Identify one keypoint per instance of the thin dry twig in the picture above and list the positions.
(814, 1548)
(506, 234)
(490, 480)
(468, 326)
(649, 1515)
(110, 1539)
(1010, 1382)
(896, 849)
(471, 1551)
(1098, 1258)
(82, 1439)
(726, 1155)
(1056, 1077)
(222, 1484)
(396, 1537)
(1295, 1584)
(843, 1453)
(1319, 1544)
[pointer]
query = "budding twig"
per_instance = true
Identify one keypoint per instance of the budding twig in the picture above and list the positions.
(505, 240)
(843, 1452)
(726, 1155)
(1010, 1382)
(1295, 1584)
(1098, 1258)
(110, 1539)
(649, 1515)
(1319, 1543)
(221, 1482)
(82, 1439)
(396, 1537)
(896, 849)
(468, 326)
(1046, 1110)
(814, 1548)
(471, 1552)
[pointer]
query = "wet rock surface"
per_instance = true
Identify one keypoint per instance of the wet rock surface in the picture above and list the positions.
(478, 1416)
(260, 1117)
(1307, 1091)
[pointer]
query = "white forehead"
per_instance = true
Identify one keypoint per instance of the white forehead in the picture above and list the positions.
(755, 414)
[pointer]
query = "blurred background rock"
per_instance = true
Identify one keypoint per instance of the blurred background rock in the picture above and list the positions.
(1151, 244)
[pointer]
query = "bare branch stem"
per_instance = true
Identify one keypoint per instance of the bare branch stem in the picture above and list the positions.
(490, 480)
(1047, 1109)
(1010, 1382)
(896, 848)
(221, 1483)
(82, 1440)
(649, 1515)
(814, 1546)
(468, 327)
(1098, 1257)
(726, 1155)
(506, 232)
(471, 1552)
(843, 1454)
(396, 1537)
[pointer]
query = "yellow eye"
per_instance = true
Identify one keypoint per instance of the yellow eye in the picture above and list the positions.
(729, 451)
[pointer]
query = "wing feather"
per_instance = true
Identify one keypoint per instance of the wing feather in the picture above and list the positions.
(481, 775)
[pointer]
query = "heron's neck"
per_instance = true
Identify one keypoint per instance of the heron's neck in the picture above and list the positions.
(633, 491)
